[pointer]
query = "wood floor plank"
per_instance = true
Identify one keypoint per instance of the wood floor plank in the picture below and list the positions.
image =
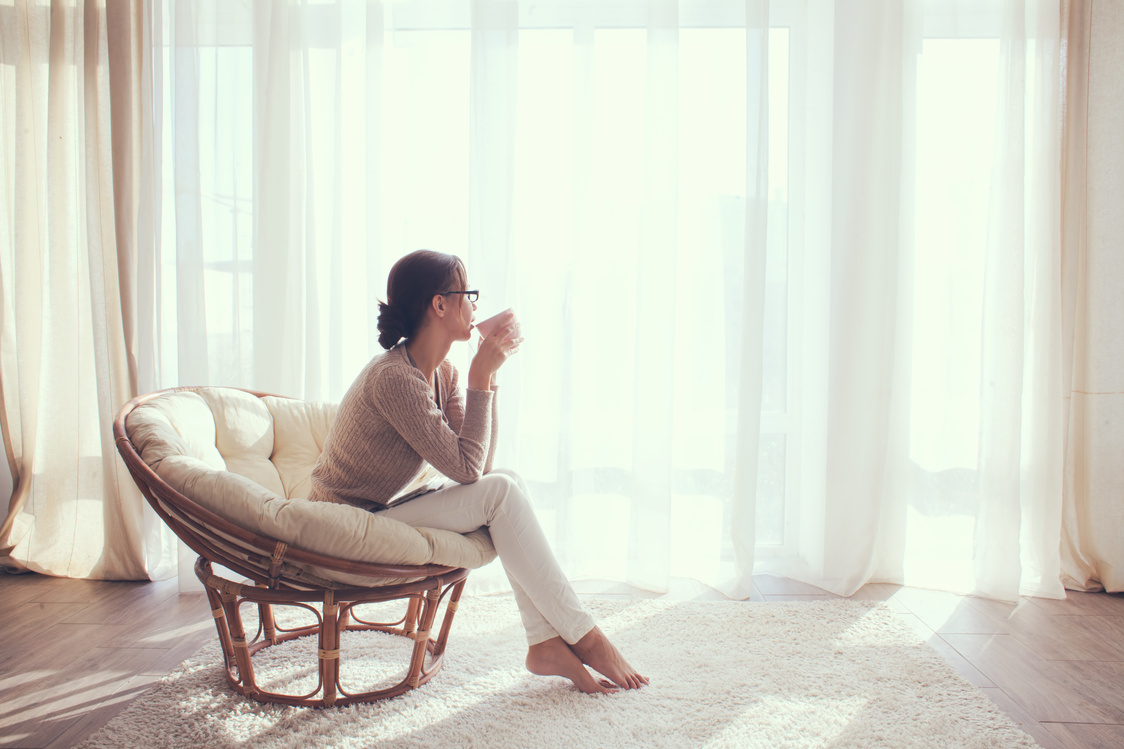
(1023, 720)
(774, 585)
(958, 662)
(32, 614)
(799, 597)
(886, 592)
(162, 626)
(1047, 690)
(1077, 638)
(1104, 680)
(948, 613)
(68, 642)
(691, 590)
(49, 705)
(180, 652)
(91, 720)
(74, 590)
(1086, 736)
(76, 705)
(1057, 636)
(1083, 604)
(20, 588)
(126, 602)
(1006, 611)
(680, 589)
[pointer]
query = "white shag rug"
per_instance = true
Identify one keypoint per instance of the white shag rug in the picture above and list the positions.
(835, 673)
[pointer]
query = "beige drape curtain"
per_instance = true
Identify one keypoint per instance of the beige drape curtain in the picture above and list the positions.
(1092, 543)
(69, 201)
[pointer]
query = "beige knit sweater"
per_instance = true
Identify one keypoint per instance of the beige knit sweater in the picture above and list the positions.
(390, 427)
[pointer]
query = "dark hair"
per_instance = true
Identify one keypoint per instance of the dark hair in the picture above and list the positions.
(413, 282)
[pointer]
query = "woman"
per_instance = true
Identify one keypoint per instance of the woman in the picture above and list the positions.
(404, 424)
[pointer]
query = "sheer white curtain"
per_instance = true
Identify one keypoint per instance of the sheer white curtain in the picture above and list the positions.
(789, 271)
(932, 421)
(70, 101)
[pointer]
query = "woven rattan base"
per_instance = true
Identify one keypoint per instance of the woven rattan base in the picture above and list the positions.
(334, 616)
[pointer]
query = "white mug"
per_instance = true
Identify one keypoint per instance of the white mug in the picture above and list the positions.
(487, 327)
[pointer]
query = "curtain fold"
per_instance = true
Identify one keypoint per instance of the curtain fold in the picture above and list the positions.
(1092, 556)
(755, 278)
(863, 509)
(650, 494)
(1020, 421)
(71, 87)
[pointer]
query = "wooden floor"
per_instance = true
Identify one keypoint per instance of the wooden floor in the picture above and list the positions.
(75, 652)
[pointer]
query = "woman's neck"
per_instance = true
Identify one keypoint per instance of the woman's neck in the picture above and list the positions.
(428, 349)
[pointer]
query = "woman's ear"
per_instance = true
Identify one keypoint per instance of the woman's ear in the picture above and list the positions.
(438, 305)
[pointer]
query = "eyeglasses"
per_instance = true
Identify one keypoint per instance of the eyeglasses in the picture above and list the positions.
(472, 295)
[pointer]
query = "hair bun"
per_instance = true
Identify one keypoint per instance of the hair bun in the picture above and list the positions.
(392, 325)
(410, 287)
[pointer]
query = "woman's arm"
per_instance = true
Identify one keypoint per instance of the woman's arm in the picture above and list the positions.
(454, 400)
(494, 436)
(454, 412)
(405, 401)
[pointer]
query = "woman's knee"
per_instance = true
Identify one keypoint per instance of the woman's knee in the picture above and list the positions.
(500, 483)
(503, 489)
(519, 482)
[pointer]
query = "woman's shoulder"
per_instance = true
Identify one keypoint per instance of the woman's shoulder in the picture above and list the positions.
(389, 372)
(393, 358)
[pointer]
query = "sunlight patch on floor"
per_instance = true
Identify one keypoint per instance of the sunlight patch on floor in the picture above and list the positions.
(158, 639)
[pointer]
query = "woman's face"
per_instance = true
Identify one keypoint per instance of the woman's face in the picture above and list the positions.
(461, 314)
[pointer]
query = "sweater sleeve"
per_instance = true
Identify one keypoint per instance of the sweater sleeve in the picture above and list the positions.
(494, 437)
(405, 401)
(454, 403)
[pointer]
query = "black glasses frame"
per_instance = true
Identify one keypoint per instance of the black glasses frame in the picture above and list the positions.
(472, 295)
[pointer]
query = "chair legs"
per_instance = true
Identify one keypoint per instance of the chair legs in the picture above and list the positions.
(447, 622)
(421, 639)
(411, 624)
(329, 653)
(335, 617)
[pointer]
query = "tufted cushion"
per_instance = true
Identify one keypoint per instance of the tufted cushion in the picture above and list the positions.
(244, 435)
(175, 424)
(248, 460)
(300, 430)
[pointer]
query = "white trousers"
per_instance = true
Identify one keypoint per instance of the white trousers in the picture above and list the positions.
(547, 602)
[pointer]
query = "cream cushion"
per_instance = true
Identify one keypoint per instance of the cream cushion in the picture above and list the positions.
(248, 460)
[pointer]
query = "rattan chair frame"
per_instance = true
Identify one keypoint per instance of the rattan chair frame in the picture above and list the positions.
(271, 568)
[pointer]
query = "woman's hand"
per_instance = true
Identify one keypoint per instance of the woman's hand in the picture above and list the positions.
(491, 353)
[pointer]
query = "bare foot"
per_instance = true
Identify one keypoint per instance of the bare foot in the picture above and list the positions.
(596, 651)
(554, 658)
